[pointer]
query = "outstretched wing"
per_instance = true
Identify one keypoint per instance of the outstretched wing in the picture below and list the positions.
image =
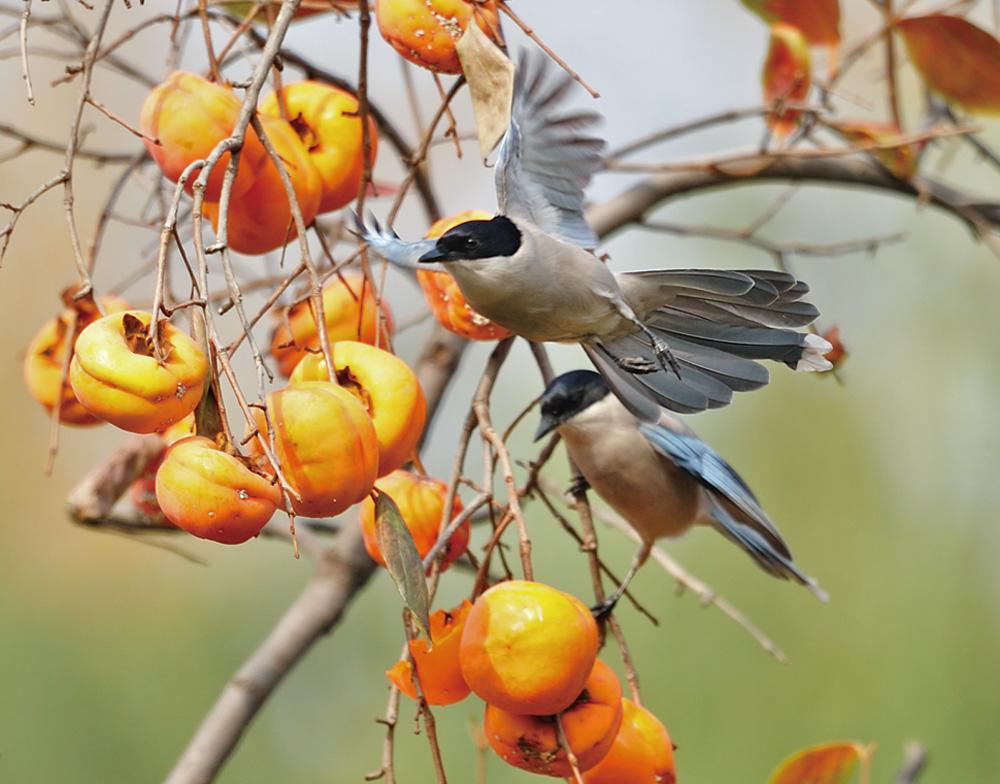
(546, 157)
(385, 242)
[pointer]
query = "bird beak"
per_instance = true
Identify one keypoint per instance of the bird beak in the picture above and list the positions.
(432, 256)
(546, 426)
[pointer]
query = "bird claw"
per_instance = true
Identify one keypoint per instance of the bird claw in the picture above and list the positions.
(638, 366)
(578, 486)
(666, 357)
(604, 608)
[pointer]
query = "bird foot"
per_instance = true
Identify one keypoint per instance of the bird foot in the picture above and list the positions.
(666, 357)
(637, 366)
(603, 609)
(578, 486)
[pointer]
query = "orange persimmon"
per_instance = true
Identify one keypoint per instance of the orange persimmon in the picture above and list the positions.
(590, 725)
(528, 648)
(349, 311)
(421, 503)
(326, 119)
(642, 752)
(117, 377)
(438, 669)
(388, 389)
(445, 298)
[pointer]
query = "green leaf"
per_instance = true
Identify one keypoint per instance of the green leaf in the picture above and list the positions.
(207, 417)
(402, 560)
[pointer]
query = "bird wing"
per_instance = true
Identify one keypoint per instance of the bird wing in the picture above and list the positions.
(546, 158)
(386, 243)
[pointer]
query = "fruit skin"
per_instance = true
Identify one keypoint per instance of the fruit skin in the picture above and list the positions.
(349, 311)
(190, 115)
(445, 298)
(43, 361)
(421, 503)
(439, 670)
(325, 443)
(129, 388)
(425, 31)
(260, 219)
(325, 117)
(590, 725)
(386, 387)
(212, 494)
(528, 648)
(642, 752)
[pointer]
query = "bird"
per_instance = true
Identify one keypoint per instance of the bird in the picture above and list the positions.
(658, 475)
(685, 339)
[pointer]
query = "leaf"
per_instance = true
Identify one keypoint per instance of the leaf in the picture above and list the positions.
(786, 75)
(901, 159)
(134, 332)
(956, 59)
(207, 417)
(819, 20)
(827, 763)
(402, 560)
(490, 76)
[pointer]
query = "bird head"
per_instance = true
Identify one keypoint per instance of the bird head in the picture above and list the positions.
(568, 395)
(476, 240)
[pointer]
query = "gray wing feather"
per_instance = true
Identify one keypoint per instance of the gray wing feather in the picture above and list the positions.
(546, 159)
(387, 244)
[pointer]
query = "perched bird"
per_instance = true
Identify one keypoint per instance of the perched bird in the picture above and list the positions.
(658, 475)
(685, 338)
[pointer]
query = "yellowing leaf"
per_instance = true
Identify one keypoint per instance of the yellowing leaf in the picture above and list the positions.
(827, 763)
(900, 159)
(402, 560)
(490, 76)
(819, 20)
(786, 75)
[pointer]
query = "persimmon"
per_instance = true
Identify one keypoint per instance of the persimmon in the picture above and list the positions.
(212, 494)
(117, 377)
(528, 648)
(642, 752)
(386, 387)
(445, 298)
(43, 361)
(438, 669)
(350, 313)
(425, 31)
(590, 725)
(189, 115)
(421, 503)
(326, 120)
(326, 446)
(260, 219)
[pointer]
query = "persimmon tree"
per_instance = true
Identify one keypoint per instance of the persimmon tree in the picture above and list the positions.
(327, 428)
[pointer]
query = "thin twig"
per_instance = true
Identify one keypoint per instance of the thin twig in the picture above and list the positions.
(25, 71)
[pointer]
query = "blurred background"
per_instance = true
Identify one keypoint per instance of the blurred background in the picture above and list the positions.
(885, 485)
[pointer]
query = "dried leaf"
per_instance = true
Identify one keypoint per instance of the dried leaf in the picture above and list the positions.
(786, 75)
(402, 560)
(901, 160)
(490, 76)
(827, 763)
(207, 417)
(956, 59)
(819, 20)
(135, 335)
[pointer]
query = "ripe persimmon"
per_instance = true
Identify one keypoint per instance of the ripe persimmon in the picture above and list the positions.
(421, 503)
(425, 31)
(642, 752)
(590, 725)
(117, 377)
(212, 494)
(445, 298)
(349, 311)
(386, 387)
(438, 669)
(528, 648)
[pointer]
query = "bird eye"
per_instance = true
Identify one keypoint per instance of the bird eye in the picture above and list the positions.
(471, 242)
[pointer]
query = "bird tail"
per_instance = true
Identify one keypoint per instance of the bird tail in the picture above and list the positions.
(772, 558)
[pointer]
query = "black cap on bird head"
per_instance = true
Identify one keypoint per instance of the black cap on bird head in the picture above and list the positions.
(566, 396)
(476, 240)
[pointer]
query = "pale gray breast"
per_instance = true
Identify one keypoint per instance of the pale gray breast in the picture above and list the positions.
(654, 495)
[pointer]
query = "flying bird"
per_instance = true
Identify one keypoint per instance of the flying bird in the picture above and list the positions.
(658, 475)
(686, 338)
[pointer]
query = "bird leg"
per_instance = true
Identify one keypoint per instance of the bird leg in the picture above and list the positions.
(603, 609)
(665, 357)
(578, 485)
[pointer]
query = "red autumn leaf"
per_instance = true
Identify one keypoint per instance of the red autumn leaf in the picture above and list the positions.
(827, 763)
(839, 352)
(900, 159)
(819, 20)
(786, 75)
(956, 59)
